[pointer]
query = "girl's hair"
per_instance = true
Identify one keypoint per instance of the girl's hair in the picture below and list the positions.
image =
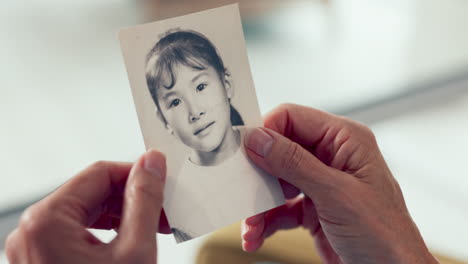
(187, 48)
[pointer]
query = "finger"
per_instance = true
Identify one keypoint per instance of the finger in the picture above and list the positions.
(286, 216)
(106, 222)
(290, 191)
(251, 232)
(103, 222)
(251, 246)
(336, 141)
(164, 227)
(294, 213)
(113, 209)
(305, 125)
(253, 220)
(86, 192)
(12, 245)
(143, 202)
(287, 160)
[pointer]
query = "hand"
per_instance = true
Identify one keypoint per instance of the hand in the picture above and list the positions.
(351, 204)
(105, 195)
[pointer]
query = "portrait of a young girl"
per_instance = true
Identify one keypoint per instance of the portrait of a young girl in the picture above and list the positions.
(192, 89)
(195, 99)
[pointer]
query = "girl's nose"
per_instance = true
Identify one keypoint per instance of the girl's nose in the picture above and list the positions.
(196, 115)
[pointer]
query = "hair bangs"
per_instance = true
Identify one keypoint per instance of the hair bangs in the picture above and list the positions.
(164, 72)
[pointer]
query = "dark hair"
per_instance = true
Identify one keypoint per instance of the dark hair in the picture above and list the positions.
(187, 48)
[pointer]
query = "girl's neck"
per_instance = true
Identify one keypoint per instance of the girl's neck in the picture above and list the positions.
(228, 147)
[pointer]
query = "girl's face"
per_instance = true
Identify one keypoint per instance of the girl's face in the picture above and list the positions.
(197, 108)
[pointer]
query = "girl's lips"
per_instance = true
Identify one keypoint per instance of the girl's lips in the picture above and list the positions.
(198, 131)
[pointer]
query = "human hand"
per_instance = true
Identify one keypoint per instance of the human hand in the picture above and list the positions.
(106, 195)
(351, 204)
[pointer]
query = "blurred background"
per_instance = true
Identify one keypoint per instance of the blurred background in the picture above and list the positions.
(399, 66)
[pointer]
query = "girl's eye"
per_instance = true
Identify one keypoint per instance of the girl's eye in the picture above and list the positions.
(174, 103)
(201, 87)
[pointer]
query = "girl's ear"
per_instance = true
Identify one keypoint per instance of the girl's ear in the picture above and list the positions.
(166, 125)
(228, 84)
(170, 130)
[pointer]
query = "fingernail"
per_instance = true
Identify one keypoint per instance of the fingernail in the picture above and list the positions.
(154, 163)
(244, 229)
(259, 141)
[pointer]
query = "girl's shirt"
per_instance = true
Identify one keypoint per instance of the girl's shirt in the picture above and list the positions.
(206, 198)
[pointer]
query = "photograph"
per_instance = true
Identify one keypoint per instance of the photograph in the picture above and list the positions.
(195, 99)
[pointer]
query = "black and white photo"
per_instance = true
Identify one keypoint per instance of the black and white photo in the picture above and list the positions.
(195, 98)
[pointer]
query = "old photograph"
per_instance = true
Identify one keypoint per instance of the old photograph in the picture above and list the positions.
(195, 99)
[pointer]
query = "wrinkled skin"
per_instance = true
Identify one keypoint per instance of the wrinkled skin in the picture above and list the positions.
(351, 203)
(106, 195)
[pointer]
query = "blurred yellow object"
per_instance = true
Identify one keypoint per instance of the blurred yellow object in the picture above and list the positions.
(294, 246)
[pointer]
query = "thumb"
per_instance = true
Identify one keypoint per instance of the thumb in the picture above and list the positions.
(142, 205)
(285, 159)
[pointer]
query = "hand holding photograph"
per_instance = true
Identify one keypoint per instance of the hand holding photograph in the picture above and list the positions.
(195, 98)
